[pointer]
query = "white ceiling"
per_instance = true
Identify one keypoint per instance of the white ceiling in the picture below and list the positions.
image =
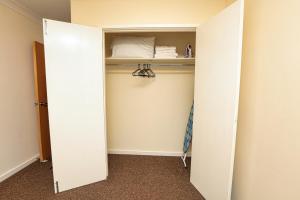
(51, 9)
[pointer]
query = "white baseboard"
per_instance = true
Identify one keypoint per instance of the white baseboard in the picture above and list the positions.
(18, 168)
(145, 153)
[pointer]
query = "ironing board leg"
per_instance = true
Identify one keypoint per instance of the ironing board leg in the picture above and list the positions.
(183, 158)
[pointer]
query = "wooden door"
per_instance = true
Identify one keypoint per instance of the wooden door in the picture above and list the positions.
(41, 101)
(75, 86)
(217, 83)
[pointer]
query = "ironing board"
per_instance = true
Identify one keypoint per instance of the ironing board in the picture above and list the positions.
(188, 136)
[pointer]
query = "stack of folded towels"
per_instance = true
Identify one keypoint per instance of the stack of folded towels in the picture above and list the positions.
(165, 52)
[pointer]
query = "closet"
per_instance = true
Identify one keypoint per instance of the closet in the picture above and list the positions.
(78, 63)
(152, 112)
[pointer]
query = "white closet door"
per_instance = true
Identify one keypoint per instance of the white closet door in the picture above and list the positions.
(75, 81)
(217, 83)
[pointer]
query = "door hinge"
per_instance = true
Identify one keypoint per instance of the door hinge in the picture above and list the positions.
(57, 188)
(46, 27)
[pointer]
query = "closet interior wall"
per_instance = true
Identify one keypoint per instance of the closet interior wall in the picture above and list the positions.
(149, 115)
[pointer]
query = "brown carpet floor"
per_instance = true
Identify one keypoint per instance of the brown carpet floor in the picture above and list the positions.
(130, 178)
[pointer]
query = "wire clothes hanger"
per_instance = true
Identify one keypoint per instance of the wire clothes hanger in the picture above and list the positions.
(144, 71)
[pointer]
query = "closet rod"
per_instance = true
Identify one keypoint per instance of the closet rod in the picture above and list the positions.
(153, 65)
(129, 72)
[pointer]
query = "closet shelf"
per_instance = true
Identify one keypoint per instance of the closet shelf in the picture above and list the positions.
(170, 61)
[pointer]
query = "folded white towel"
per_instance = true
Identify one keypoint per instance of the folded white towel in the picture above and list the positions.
(175, 54)
(166, 55)
(166, 51)
(165, 48)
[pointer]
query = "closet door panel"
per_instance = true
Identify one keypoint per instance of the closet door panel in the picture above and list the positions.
(217, 83)
(75, 79)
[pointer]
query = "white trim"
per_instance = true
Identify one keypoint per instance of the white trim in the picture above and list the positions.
(23, 10)
(18, 168)
(146, 153)
(151, 28)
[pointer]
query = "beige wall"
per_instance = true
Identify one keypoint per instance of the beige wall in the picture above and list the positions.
(146, 115)
(18, 131)
(117, 12)
(268, 146)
